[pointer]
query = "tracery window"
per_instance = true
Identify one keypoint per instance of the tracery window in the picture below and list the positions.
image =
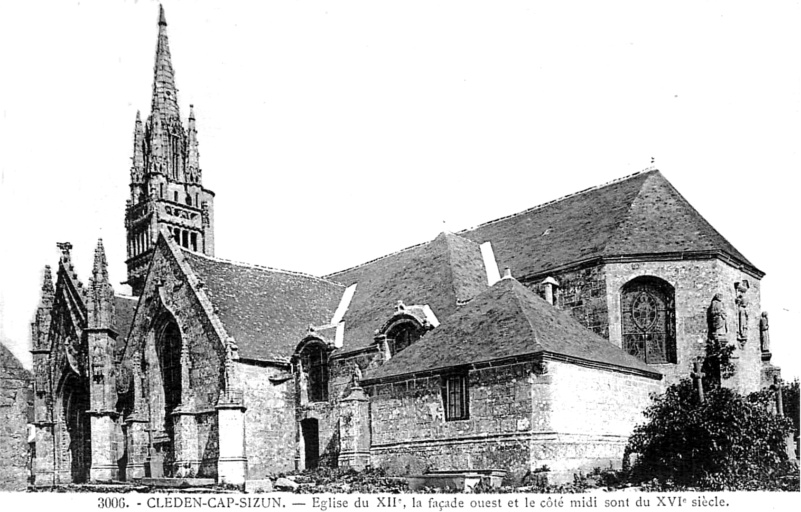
(314, 360)
(649, 320)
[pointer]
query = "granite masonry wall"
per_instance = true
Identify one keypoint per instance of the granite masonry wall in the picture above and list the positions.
(410, 434)
(169, 297)
(15, 400)
(587, 416)
(695, 283)
(270, 430)
(523, 416)
(327, 414)
(583, 293)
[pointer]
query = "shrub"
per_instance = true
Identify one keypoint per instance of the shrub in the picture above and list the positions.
(727, 442)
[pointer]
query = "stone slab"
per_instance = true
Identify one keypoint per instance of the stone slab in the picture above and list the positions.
(177, 482)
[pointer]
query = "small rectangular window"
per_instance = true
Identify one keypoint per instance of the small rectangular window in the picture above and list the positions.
(454, 397)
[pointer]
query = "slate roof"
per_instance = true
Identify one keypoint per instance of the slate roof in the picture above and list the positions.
(642, 214)
(442, 273)
(10, 366)
(124, 309)
(506, 321)
(267, 311)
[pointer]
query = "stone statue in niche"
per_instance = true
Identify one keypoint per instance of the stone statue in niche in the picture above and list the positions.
(97, 362)
(716, 319)
(764, 334)
(742, 311)
(356, 376)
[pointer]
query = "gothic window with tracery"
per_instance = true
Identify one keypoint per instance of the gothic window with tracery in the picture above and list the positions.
(649, 320)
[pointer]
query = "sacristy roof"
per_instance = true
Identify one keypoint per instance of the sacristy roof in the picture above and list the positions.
(10, 366)
(507, 321)
(124, 309)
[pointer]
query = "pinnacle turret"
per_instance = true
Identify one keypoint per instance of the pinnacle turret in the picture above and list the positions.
(100, 294)
(100, 267)
(138, 166)
(193, 156)
(47, 283)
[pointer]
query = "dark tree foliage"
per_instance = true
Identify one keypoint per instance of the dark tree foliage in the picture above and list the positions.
(728, 442)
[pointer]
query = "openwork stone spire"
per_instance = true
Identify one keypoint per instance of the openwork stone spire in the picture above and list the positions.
(165, 95)
(166, 182)
(138, 163)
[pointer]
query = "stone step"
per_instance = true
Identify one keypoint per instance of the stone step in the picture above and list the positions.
(177, 483)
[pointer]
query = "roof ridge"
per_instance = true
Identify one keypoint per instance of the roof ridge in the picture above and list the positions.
(379, 258)
(698, 220)
(624, 219)
(519, 304)
(449, 265)
(260, 267)
(557, 200)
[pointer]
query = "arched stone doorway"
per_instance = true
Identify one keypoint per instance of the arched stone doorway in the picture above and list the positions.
(77, 427)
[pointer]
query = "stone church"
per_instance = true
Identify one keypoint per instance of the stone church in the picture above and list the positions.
(532, 340)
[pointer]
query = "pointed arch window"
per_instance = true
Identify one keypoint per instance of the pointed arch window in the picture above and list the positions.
(170, 359)
(649, 320)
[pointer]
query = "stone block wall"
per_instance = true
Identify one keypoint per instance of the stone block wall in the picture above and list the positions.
(270, 426)
(340, 376)
(410, 434)
(15, 401)
(591, 414)
(581, 292)
(167, 294)
(695, 283)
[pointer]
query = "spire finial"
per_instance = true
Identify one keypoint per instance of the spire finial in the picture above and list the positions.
(165, 97)
(100, 267)
(47, 282)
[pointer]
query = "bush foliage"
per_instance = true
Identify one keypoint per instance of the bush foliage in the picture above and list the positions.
(729, 441)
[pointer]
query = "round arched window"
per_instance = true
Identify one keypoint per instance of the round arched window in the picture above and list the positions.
(649, 320)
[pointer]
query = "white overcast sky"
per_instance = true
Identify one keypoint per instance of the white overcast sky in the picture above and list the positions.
(336, 132)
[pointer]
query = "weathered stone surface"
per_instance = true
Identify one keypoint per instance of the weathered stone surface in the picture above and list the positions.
(270, 426)
(15, 402)
(284, 484)
(695, 283)
(255, 486)
(521, 418)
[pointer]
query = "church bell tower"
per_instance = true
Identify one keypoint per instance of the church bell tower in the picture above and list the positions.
(167, 190)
